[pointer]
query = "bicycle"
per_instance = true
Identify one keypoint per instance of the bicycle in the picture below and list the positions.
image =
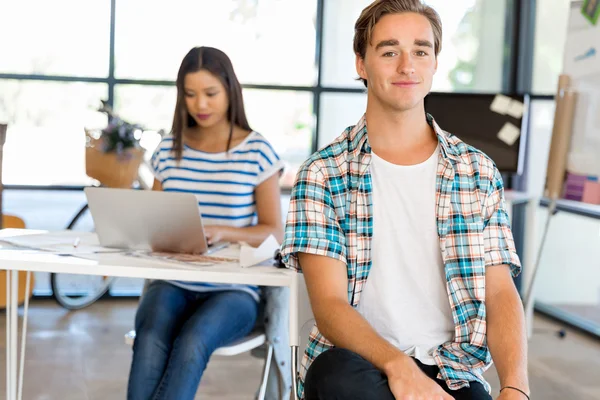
(75, 292)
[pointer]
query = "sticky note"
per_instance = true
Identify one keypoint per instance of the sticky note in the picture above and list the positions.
(515, 109)
(509, 134)
(501, 104)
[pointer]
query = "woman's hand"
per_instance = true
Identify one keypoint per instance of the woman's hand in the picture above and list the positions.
(214, 234)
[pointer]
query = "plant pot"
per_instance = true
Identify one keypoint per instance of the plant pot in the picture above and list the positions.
(112, 169)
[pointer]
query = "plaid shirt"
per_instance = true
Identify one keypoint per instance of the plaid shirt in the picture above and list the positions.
(331, 215)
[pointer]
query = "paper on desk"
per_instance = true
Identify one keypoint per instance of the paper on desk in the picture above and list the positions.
(63, 243)
(52, 239)
(69, 249)
(190, 261)
(250, 256)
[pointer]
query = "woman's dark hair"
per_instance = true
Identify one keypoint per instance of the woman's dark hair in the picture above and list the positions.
(217, 63)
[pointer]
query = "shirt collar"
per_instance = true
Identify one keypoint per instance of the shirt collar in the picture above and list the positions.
(359, 143)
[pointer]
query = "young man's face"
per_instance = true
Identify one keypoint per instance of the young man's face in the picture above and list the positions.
(400, 61)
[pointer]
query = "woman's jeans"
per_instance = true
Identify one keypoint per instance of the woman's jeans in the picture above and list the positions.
(177, 330)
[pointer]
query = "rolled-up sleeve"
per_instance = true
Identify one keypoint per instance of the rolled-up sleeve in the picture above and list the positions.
(312, 225)
(498, 238)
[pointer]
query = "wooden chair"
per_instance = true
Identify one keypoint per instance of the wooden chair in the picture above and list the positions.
(10, 221)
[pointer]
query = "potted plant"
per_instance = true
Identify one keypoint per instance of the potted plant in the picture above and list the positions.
(113, 155)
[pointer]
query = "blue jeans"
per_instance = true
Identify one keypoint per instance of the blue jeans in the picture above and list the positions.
(177, 330)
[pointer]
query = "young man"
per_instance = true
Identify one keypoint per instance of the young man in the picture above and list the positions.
(402, 235)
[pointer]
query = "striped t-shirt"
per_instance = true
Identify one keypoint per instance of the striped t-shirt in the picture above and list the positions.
(223, 183)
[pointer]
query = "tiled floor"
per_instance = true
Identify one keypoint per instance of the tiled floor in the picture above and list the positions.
(82, 355)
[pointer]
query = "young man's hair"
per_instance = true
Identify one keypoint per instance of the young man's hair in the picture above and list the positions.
(363, 29)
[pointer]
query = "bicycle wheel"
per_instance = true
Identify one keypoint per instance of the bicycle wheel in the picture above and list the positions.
(75, 292)
(77, 216)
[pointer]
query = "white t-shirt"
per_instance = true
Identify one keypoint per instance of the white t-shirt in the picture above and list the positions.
(405, 298)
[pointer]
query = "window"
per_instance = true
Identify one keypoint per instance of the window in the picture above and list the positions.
(45, 142)
(150, 106)
(272, 44)
(338, 31)
(339, 111)
(40, 37)
(268, 41)
(285, 119)
(552, 18)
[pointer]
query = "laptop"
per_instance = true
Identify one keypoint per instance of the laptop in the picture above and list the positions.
(148, 220)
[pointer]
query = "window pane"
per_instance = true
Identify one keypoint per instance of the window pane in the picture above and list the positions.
(45, 140)
(150, 106)
(285, 119)
(338, 68)
(539, 135)
(62, 37)
(152, 38)
(472, 45)
(552, 18)
(339, 111)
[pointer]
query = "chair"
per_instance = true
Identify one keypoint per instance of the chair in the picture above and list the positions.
(24, 292)
(258, 338)
(252, 341)
(306, 320)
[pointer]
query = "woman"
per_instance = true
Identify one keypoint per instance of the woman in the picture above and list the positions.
(233, 171)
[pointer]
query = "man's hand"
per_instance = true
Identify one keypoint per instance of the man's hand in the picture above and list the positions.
(408, 382)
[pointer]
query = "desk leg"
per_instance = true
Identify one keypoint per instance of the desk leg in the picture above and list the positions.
(14, 324)
(24, 337)
(294, 333)
(12, 290)
(8, 332)
(295, 372)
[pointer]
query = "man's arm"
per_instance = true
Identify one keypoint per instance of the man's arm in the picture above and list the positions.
(327, 284)
(339, 322)
(506, 334)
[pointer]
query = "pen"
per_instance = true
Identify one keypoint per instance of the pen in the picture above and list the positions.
(76, 242)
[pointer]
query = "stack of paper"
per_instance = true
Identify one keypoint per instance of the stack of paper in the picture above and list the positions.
(261, 255)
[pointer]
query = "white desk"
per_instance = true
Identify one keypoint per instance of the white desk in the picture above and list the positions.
(126, 266)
